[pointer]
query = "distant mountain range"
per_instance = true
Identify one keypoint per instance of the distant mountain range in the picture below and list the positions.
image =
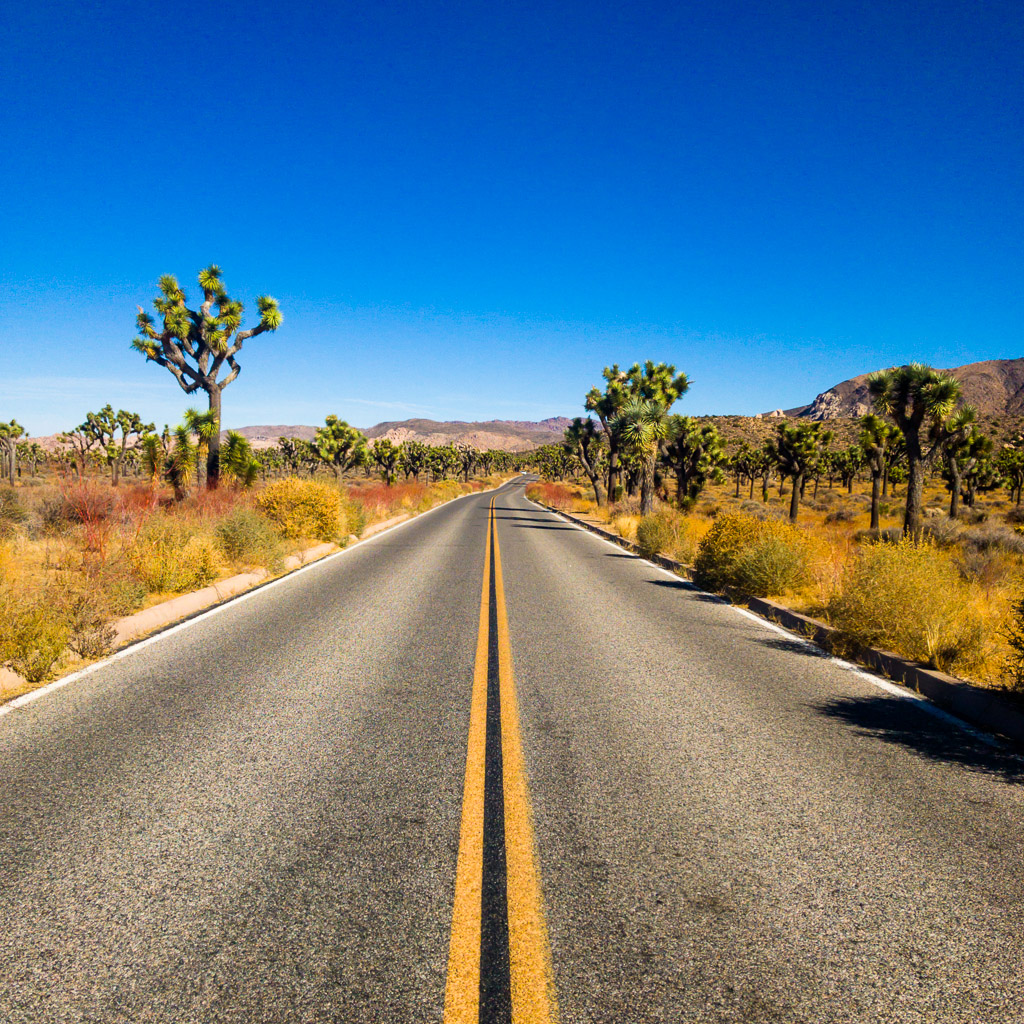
(511, 435)
(995, 387)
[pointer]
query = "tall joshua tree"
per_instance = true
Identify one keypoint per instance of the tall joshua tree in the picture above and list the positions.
(584, 440)
(651, 382)
(641, 427)
(195, 344)
(9, 434)
(797, 451)
(963, 447)
(876, 438)
(919, 400)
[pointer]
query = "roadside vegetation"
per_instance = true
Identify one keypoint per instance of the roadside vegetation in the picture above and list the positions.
(903, 529)
(118, 516)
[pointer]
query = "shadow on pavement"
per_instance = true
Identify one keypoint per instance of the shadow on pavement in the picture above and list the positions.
(903, 723)
(697, 595)
(778, 643)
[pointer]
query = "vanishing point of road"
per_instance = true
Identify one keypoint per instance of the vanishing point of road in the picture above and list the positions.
(488, 768)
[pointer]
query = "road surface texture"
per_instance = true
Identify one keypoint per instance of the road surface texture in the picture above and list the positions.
(259, 817)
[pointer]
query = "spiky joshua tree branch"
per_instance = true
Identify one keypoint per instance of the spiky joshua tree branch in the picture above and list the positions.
(198, 345)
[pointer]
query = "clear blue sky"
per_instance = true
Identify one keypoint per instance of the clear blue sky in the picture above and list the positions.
(467, 209)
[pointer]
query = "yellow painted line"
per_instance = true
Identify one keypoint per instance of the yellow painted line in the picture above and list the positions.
(533, 986)
(462, 992)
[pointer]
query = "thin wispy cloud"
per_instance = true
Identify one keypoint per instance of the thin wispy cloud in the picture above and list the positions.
(70, 388)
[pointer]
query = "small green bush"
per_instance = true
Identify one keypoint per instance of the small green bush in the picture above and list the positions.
(303, 508)
(12, 512)
(90, 634)
(125, 596)
(34, 637)
(248, 540)
(654, 534)
(912, 600)
(772, 564)
(170, 557)
(751, 556)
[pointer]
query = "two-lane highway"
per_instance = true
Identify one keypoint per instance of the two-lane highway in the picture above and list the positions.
(487, 767)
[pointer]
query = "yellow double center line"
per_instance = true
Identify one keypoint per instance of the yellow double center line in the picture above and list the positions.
(499, 961)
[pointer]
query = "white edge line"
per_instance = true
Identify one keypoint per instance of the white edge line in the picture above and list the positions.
(138, 645)
(893, 689)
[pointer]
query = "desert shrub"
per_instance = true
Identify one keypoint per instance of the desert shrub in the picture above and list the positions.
(625, 526)
(125, 596)
(34, 637)
(758, 509)
(654, 534)
(303, 508)
(909, 598)
(557, 495)
(248, 540)
(12, 512)
(773, 564)
(169, 556)
(1016, 515)
(841, 515)
(942, 530)
(1013, 634)
(90, 634)
(890, 535)
(993, 535)
(752, 556)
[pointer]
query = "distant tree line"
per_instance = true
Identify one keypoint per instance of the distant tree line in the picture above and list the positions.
(637, 448)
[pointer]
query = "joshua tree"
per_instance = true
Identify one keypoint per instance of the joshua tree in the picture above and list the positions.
(340, 446)
(112, 434)
(204, 425)
(796, 451)
(963, 446)
(1011, 465)
(641, 427)
(195, 344)
(467, 456)
(414, 458)
(238, 461)
(586, 441)
(385, 454)
(875, 438)
(919, 400)
(652, 382)
(695, 454)
(743, 466)
(9, 434)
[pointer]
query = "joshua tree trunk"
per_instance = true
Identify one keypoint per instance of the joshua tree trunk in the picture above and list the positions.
(849, 486)
(751, 486)
(764, 487)
(912, 524)
(213, 455)
(647, 485)
(876, 490)
(794, 500)
(954, 488)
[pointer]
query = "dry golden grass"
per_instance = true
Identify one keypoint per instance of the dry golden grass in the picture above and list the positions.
(981, 563)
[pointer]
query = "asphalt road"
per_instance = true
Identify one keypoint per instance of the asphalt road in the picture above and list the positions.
(258, 818)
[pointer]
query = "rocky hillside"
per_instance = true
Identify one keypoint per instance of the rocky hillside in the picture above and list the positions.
(995, 386)
(511, 435)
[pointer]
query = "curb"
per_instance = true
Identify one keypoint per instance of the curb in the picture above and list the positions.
(989, 710)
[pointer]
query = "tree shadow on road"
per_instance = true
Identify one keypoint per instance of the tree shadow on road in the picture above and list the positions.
(906, 724)
(791, 646)
(691, 589)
